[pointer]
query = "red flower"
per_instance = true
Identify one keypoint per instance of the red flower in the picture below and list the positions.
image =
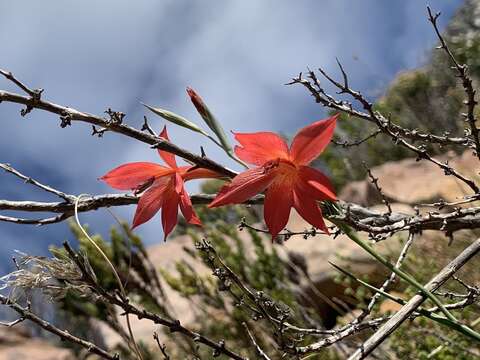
(162, 187)
(284, 174)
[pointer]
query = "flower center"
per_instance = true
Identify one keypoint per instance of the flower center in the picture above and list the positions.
(285, 170)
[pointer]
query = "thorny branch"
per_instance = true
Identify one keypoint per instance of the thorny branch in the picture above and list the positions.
(360, 218)
(462, 73)
(398, 134)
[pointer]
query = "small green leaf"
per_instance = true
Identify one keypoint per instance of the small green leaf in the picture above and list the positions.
(176, 119)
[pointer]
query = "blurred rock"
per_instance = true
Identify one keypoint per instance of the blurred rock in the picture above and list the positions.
(410, 181)
(16, 343)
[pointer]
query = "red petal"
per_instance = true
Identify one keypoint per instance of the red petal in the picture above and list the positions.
(197, 173)
(169, 158)
(316, 183)
(258, 148)
(169, 211)
(150, 202)
(130, 176)
(312, 140)
(308, 209)
(243, 187)
(178, 182)
(278, 202)
(187, 209)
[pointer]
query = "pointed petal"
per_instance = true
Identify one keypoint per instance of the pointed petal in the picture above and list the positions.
(312, 140)
(130, 176)
(187, 209)
(308, 209)
(150, 202)
(191, 172)
(243, 187)
(178, 183)
(170, 211)
(169, 158)
(316, 183)
(278, 202)
(258, 148)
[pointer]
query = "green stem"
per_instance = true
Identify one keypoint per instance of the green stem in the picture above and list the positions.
(408, 278)
(455, 325)
(227, 151)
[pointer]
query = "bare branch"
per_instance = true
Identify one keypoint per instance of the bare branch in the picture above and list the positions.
(346, 144)
(64, 335)
(258, 349)
(69, 114)
(392, 324)
(326, 100)
(29, 180)
(462, 73)
(374, 181)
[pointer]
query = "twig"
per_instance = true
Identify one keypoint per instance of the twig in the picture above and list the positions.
(146, 127)
(9, 76)
(390, 279)
(391, 325)
(64, 335)
(346, 144)
(12, 323)
(258, 349)
(462, 73)
(374, 181)
(34, 182)
(162, 347)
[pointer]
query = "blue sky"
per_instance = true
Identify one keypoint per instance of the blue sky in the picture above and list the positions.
(92, 55)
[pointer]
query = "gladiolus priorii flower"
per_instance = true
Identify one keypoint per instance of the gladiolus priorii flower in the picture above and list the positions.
(162, 187)
(283, 173)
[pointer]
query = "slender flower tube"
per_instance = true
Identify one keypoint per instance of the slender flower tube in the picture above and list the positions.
(283, 173)
(161, 187)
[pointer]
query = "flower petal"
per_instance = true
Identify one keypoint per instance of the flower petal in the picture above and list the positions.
(316, 184)
(130, 176)
(278, 202)
(243, 186)
(169, 158)
(150, 201)
(187, 209)
(169, 211)
(260, 147)
(191, 172)
(178, 183)
(308, 208)
(312, 140)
